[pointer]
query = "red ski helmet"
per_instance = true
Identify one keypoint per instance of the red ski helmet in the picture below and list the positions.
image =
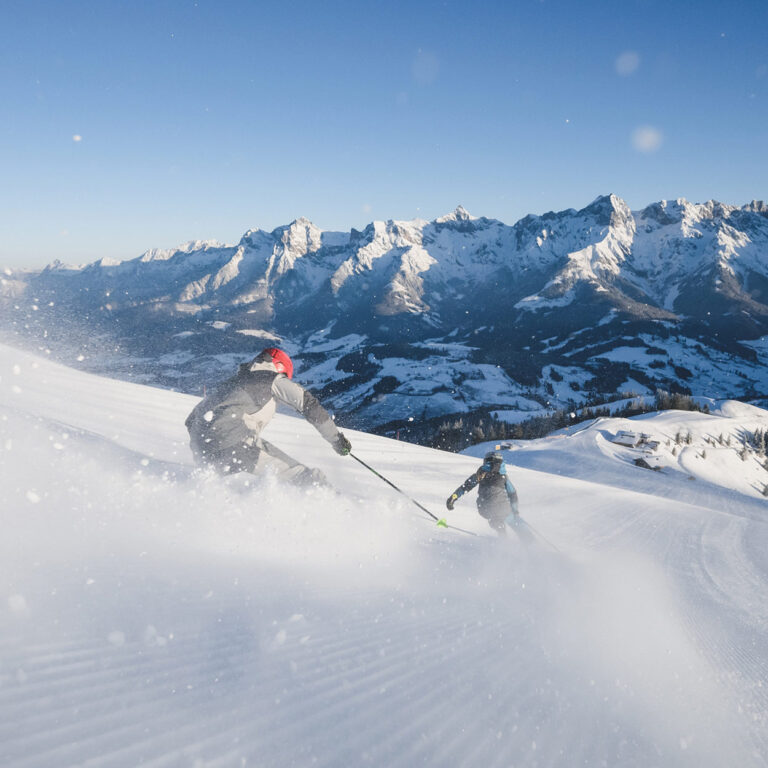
(280, 360)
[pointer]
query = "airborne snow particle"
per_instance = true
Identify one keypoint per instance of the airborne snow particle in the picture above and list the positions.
(151, 637)
(627, 63)
(77, 138)
(425, 68)
(17, 604)
(32, 497)
(646, 138)
(116, 638)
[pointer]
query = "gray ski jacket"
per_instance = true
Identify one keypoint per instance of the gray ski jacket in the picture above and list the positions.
(240, 407)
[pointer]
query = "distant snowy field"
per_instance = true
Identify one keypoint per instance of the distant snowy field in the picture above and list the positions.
(152, 615)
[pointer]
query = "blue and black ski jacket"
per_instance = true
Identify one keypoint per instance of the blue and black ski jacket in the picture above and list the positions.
(496, 495)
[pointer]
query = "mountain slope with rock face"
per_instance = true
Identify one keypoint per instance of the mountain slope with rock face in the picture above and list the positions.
(418, 318)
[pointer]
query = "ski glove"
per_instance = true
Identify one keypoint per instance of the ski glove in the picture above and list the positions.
(451, 501)
(341, 445)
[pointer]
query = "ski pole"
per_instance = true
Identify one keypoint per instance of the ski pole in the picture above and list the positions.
(438, 520)
(542, 537)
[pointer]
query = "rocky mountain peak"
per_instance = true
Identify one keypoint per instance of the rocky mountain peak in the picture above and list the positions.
(301, 236)
(757, 206)
(459, 214)
(608, 209)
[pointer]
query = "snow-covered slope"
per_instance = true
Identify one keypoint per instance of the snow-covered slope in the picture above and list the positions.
(150, 615)
(560, 309)
(680, 447)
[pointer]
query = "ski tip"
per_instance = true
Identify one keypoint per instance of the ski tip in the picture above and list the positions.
(442, 523)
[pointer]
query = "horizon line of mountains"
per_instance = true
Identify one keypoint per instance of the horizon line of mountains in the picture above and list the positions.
(407, 319)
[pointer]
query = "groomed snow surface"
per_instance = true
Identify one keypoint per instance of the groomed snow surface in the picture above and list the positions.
(152, 615)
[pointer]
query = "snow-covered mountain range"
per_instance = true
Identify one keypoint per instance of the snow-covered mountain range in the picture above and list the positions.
(414, 318)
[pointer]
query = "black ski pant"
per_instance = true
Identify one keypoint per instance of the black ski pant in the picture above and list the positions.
(497, 514)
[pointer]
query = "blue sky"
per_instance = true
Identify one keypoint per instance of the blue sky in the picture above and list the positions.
(131, 125)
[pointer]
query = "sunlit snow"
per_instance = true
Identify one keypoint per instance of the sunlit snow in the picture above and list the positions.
(156, 615)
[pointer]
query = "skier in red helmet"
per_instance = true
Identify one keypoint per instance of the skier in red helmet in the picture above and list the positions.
(225, 427)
